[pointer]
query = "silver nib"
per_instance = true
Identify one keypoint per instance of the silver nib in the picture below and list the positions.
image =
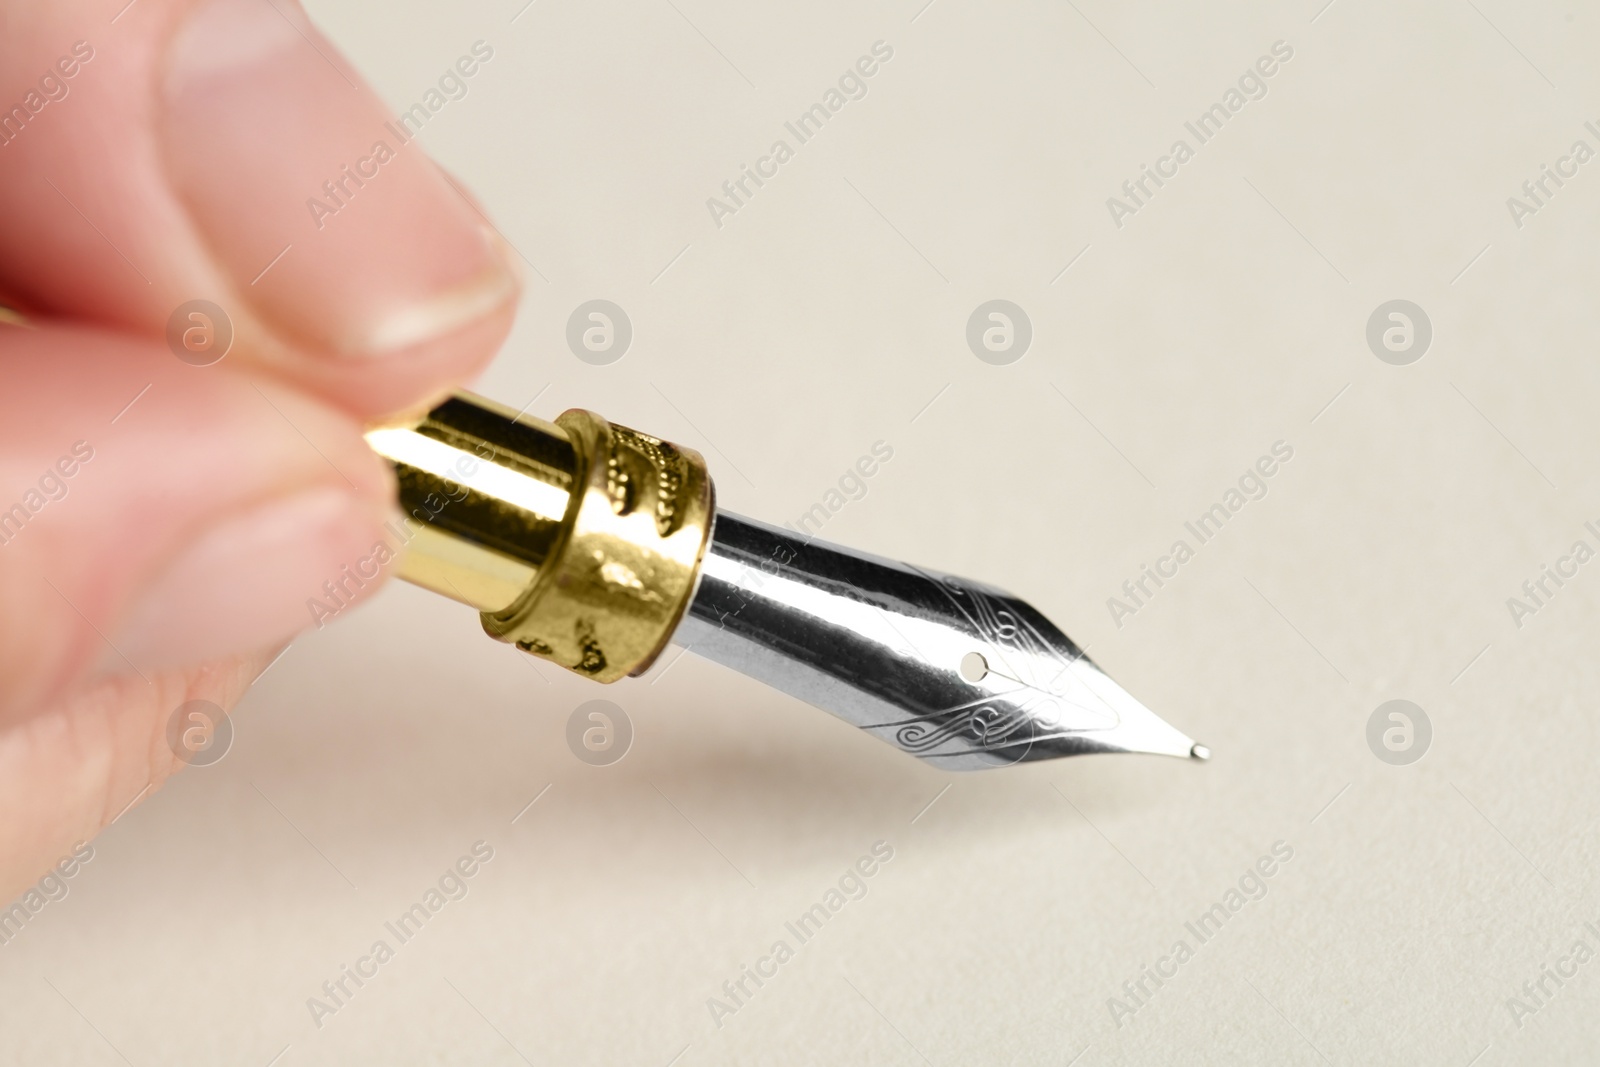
(956, 673)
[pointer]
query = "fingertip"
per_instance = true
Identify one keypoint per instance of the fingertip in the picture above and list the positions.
(420, 371)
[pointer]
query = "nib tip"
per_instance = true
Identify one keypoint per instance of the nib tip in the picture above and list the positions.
(1200, 752)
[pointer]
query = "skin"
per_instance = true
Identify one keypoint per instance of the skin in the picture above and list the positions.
(176, 562)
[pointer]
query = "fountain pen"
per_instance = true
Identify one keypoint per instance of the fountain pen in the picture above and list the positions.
(594, 546)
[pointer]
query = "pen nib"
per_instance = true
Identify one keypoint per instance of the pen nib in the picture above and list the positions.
(951, 671)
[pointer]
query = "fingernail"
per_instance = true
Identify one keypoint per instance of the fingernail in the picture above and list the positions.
(338, 230)
(249, 580)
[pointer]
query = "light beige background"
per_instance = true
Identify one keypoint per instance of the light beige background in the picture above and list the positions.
(829, 314)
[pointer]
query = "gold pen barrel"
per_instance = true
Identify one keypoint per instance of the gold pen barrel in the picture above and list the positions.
(578, 541)
(485, 493)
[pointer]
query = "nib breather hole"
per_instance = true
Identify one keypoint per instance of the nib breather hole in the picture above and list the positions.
(974, 668)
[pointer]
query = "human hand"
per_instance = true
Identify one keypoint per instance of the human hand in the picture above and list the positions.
(163, 525)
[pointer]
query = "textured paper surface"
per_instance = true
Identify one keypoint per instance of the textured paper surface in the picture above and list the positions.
(1227, 313)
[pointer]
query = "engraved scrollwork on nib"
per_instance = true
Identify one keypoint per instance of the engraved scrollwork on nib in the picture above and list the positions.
(989, 725)
(992, 727)
(1028, 654)
(925, 734)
